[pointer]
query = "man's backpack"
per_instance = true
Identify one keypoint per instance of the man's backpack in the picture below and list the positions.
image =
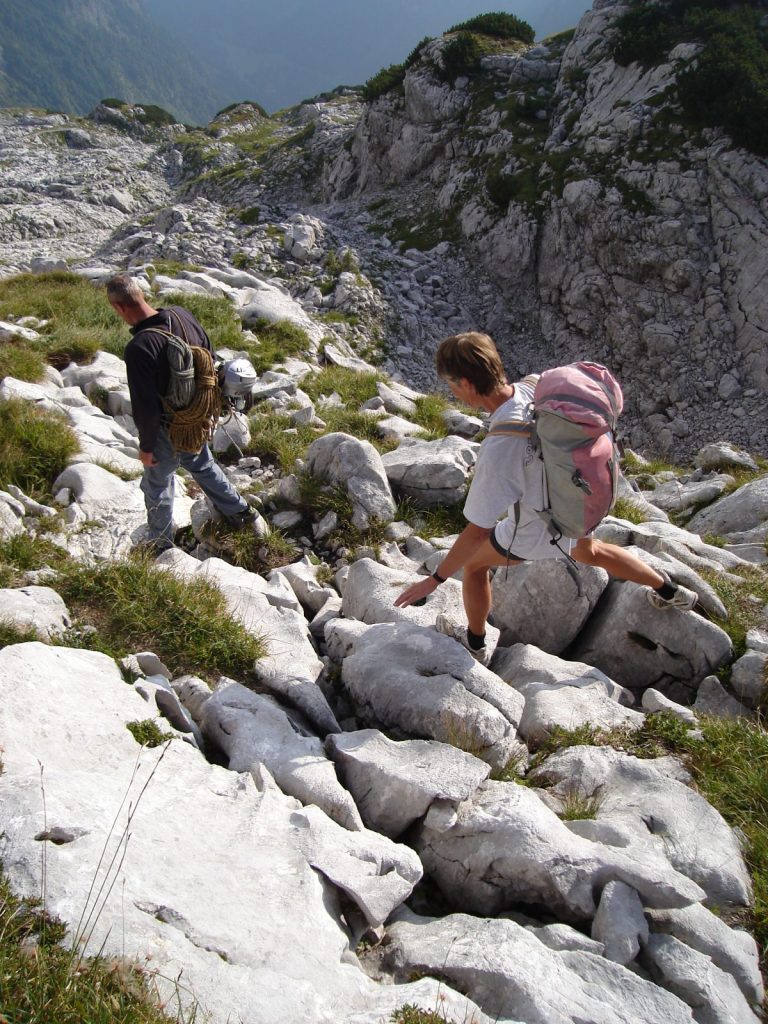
(193, 400)
(575, 409)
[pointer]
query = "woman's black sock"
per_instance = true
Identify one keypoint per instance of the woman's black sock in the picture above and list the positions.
(475, 640)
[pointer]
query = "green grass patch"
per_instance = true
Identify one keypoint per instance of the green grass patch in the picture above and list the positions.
(276, 340)
(34, 446)
(274, 438)
(217, 316)
(81, 319)
(429, 415)
(136, 606)
(43, 982)
(625, 508)
(352, 387)
(148, 733)
(24, 553)
(262, 554)
(438, 521)
(21, 360)
(744, 600)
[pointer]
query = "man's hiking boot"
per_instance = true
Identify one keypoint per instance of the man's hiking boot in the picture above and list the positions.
(152, 547)
(452, 629)
(683, 599)
(242, 520)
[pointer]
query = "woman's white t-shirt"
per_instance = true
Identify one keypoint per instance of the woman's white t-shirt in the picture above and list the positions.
(508, 470)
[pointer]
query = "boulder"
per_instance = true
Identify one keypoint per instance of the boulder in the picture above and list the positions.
(539, 603)
(731, 949)
(377, 874)
(507, 848)
(37, 608)
(424, 684)
(652, 797)
(357, 466)
(619, 923)
(743, 510)
(713, 699)
(562, 694)
(713, 995)
(394, 784)
(251, 728)
(513, 975)
(748, 677)
(432, 472)
(640, 646)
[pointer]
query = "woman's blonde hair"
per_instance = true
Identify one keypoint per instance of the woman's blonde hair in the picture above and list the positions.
(474, 357)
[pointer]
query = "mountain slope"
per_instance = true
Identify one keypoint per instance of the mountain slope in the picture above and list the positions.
(69, 54)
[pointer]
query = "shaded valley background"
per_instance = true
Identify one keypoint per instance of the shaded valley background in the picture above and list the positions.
(194, 57)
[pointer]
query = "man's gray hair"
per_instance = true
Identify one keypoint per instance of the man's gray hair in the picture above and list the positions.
(125, 290)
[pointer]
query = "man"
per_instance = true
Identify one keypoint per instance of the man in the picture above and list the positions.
(148, 380)
(508, 470)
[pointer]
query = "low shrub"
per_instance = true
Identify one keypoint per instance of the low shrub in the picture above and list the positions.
(13, 633)
(148, 733)
(499, 24)
(460, 56)
(383, 81)
(34, 446)
(726, 85)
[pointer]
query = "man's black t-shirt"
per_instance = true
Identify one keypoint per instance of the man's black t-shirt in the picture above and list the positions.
(147, 366)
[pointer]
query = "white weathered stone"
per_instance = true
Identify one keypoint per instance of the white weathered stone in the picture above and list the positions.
(356, 465)
(652, 700)
(730, 949)
(538, 603)
(748, 677)
(506, 847)
(713, 699)
(692, 976)
(423, 683)
(252, 728)
(513, 975)
(37, 608)
(743, 510)
(433, 472)
(641, 646)
(652, 796)
(394, 784)
(619, 923)
(235, 857)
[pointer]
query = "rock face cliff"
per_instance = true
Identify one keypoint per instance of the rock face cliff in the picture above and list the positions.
(612, 230)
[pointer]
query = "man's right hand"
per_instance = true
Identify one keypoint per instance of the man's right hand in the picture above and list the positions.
(147, 458)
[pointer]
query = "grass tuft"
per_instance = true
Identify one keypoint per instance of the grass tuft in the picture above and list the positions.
(148, 733)
(23, 553)
(136, 606)
(34, 446)
(41, 981)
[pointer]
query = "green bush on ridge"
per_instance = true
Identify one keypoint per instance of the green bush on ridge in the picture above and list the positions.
(498, 24)
(726, 84)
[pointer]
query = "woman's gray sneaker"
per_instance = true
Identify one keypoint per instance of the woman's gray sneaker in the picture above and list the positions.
(452, 629)
(682, 599)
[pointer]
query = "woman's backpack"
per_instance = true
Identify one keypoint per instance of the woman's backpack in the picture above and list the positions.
(575, 410)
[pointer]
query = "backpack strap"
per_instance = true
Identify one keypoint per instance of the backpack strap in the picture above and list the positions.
(512, 428)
